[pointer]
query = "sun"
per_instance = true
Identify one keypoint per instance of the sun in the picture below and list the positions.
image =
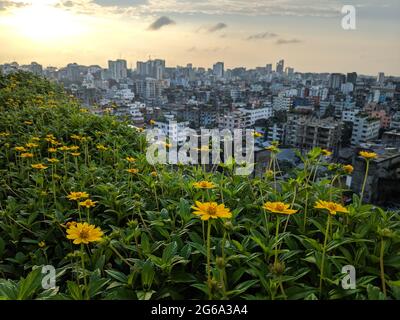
(41, 20)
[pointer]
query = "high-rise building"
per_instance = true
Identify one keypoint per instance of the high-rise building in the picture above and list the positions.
(151, 68)
(118, 69)
(73, 72)
(268, 68)
(36, 68)
(149, 88)
(381, 78)
(352, 78)
(218, 69)
(280, 66)
(336, 80)
(289, 71)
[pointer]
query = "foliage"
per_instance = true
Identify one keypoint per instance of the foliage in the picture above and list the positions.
(154, 247)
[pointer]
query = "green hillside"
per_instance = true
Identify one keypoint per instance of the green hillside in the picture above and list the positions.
(135, 231)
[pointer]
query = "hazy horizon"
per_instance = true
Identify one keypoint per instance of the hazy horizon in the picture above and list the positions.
(307, 34)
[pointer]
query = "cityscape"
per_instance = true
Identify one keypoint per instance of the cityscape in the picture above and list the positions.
(343, 113)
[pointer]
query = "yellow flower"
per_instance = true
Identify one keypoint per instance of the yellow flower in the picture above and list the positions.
(88, 203)
(63, 148)
(152, 122)
(348, 168)
(133, 170)
(272, 148)
(77, 195)
(326, 152)
(368, 155)
(28, 122)
(76, 137)
(213, 210)
(20, 149)
(75, 154)
(257, 134)
(31, 145)
(52, 150)
(84, 233)
(101, 147)
(74, 148)
(69, 224)
(39, 166)
(278, 207)
(42, 244)
(4, 134)
(332, 207)
(153, 174)
(26, 155)
(130, 159)
(53, 160)
(204, 185)
(36, 139)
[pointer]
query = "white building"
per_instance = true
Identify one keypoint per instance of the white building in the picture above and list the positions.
(252, 115)
(281, 102)
(349, 115)
(174, 131)
(276, 133)
(347, 88)
(365, 128)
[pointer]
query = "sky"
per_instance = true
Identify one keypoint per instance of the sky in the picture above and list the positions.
(308, 34)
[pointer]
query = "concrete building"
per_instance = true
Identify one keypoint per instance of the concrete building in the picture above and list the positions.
(365, 128)
(383, 180)
(174, 131)
(281, 102)
(280, 66)
(306, 132)
(218, 70)
(118, 69)
(336, 80)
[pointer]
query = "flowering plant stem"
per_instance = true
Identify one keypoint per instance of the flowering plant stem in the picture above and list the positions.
(323, 253)
(382, 266)
(364, 182)
(86, 296)
(209, 259)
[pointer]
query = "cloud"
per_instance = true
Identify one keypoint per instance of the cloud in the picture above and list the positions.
(68, 4)
(161, 22)
(287, 41)
(119, 3)
(5, 4)
(217, 27)
(262, 36)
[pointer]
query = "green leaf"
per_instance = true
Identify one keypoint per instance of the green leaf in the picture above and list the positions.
(29, 285)
(148, 274)
(169, 251)
(119, 276)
